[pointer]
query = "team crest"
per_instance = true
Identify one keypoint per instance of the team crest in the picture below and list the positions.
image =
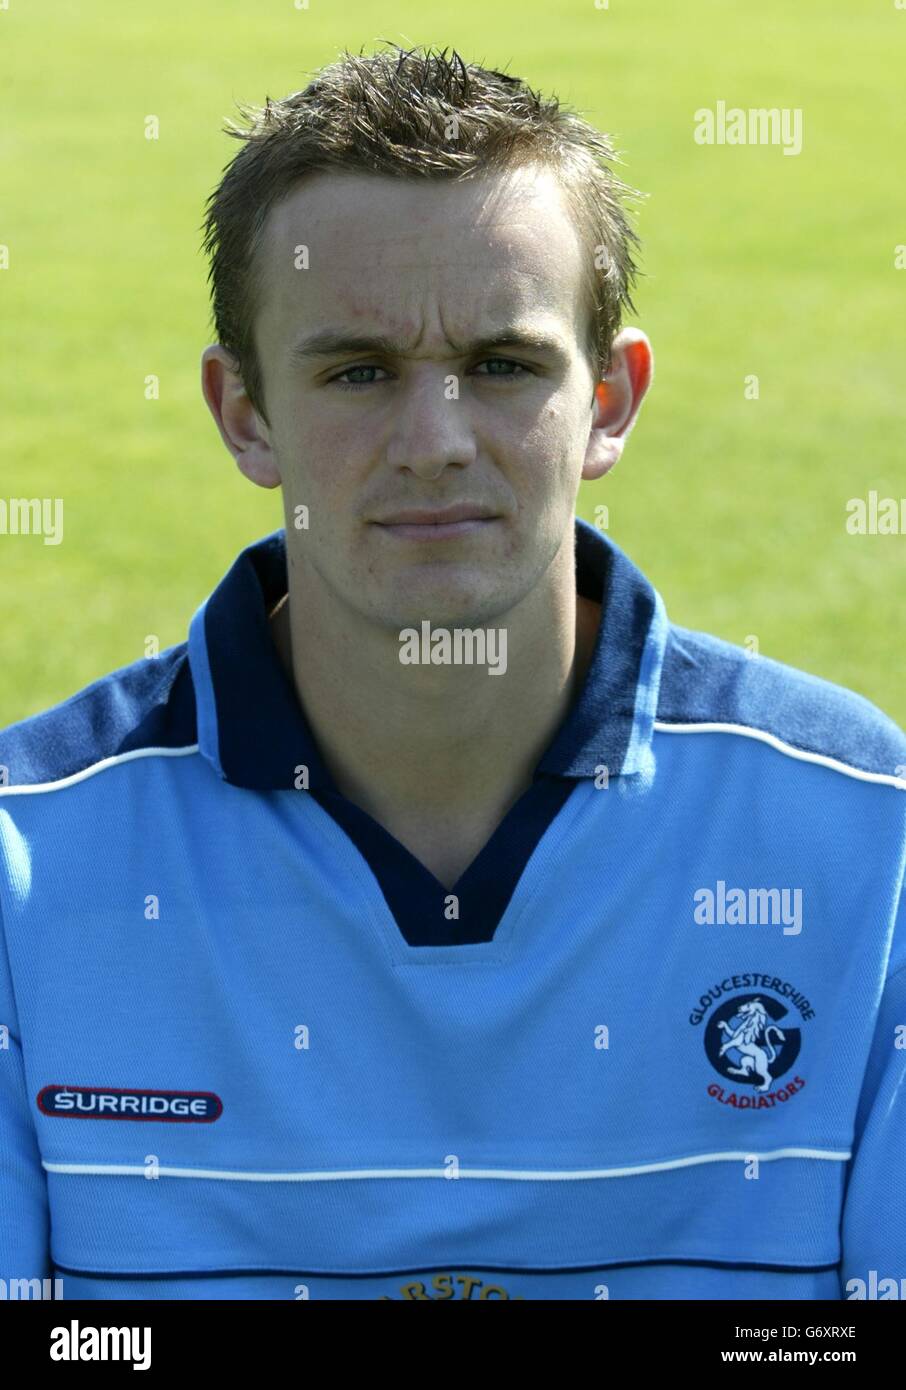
(751, 1042)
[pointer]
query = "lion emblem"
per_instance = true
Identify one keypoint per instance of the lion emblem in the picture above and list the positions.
(752, 1030)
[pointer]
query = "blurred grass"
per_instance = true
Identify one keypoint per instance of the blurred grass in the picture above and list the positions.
(755, 263)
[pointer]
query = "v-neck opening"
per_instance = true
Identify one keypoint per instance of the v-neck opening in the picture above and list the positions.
(426, 912)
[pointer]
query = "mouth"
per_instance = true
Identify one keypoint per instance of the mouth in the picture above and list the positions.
(451, 524)
(436, 530)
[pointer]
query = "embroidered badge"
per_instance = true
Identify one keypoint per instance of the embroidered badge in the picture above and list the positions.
(749, 1041)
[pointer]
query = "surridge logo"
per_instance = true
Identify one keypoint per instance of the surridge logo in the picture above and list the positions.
(112, 1103)
(750, 1043)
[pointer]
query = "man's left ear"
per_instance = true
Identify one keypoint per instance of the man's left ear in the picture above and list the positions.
(618, 397)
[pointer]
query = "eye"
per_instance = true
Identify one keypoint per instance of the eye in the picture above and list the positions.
(355, 385)
(505, 376)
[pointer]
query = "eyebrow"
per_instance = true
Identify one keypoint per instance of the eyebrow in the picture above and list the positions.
(330, 343)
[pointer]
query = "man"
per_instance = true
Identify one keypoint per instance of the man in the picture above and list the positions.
(440, 921)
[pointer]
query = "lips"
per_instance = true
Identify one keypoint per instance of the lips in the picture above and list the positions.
(427, 532)
(413, 516)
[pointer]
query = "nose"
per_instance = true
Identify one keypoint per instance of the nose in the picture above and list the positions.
(431, 423)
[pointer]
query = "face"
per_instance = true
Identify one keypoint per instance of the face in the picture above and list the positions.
(478, 396)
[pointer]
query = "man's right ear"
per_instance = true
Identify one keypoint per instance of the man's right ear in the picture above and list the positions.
(241, 428)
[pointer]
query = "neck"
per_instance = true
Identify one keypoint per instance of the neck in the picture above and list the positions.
(430, 740)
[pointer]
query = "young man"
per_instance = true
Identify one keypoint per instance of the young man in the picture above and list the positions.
(439, 920)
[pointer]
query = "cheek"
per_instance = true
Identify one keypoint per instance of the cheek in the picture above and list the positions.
(552, 446)
(326, 463)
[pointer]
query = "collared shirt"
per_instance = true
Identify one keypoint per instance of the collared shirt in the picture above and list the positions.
(651, 1035)
(253, 730)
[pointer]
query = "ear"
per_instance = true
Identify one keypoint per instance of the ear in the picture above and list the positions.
(241, 428)
(618, 397)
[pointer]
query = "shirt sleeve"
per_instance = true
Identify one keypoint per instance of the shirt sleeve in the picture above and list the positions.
(873, 1225)
(24, 1215)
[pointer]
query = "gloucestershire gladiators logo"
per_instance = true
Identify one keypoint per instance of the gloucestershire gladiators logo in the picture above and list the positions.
(750, 1040)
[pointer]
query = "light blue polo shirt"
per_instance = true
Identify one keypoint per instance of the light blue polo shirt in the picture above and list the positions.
(651, 1045)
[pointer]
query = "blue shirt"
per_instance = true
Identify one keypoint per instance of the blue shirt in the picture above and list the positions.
(651, 1045)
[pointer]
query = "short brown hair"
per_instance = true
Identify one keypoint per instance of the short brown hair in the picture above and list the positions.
(393, 114)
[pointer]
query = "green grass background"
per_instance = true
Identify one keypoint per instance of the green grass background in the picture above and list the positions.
(754, 262)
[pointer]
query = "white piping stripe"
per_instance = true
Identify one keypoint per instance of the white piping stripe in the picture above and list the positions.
(661, 726)
(512, 1175)
(100, 767)
(788, 748)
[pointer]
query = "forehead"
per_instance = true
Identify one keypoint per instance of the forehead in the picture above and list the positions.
(383, 252)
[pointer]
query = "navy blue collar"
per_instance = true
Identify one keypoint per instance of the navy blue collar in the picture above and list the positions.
(253, 730)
